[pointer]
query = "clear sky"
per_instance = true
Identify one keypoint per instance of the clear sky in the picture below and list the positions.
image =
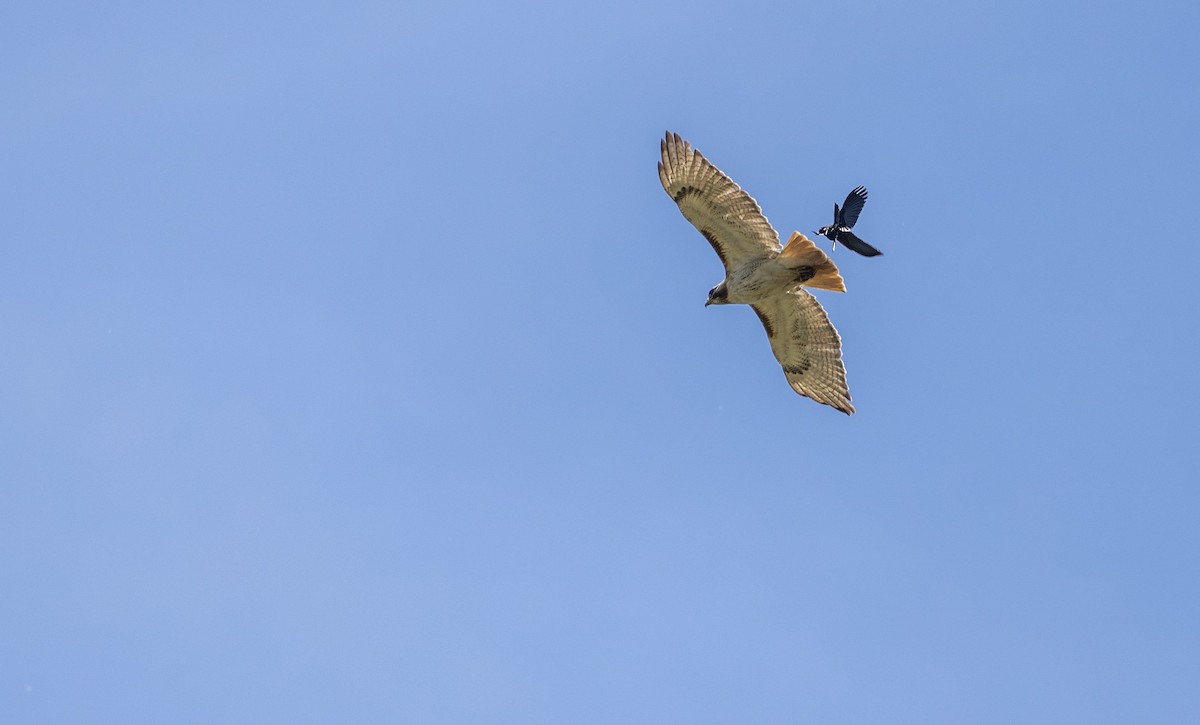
(355, 365)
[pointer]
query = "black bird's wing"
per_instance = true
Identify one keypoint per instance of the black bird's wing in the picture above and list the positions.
(852, 207)
(846, 237)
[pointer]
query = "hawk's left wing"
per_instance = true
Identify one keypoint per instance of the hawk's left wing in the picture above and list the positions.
(807, 347)
(728, 217)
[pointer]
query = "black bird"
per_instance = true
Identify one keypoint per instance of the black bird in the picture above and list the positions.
(844, 219)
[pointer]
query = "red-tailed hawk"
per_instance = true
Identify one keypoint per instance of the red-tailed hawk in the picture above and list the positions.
(761, 274)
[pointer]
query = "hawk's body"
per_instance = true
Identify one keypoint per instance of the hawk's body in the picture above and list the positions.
(761, 274)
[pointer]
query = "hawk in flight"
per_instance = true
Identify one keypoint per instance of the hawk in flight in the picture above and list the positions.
(761, 274)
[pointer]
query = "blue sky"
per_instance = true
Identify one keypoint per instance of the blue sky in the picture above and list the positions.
(356, 366)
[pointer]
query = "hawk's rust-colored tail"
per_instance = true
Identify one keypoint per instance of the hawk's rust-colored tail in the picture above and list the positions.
(801, 252)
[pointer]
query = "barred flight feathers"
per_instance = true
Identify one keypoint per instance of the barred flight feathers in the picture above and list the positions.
(728, 217)
(758, 273)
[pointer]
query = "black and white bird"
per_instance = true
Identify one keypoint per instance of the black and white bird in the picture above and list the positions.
(844, 220)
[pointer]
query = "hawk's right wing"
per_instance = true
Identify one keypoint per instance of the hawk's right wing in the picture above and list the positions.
(728, 217)
(807, 347)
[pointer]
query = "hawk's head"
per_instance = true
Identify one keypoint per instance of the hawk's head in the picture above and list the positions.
(718, 295)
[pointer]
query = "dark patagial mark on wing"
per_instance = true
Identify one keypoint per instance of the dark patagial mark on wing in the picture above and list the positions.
(852, 207)
(712, 239)
(765, 321)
